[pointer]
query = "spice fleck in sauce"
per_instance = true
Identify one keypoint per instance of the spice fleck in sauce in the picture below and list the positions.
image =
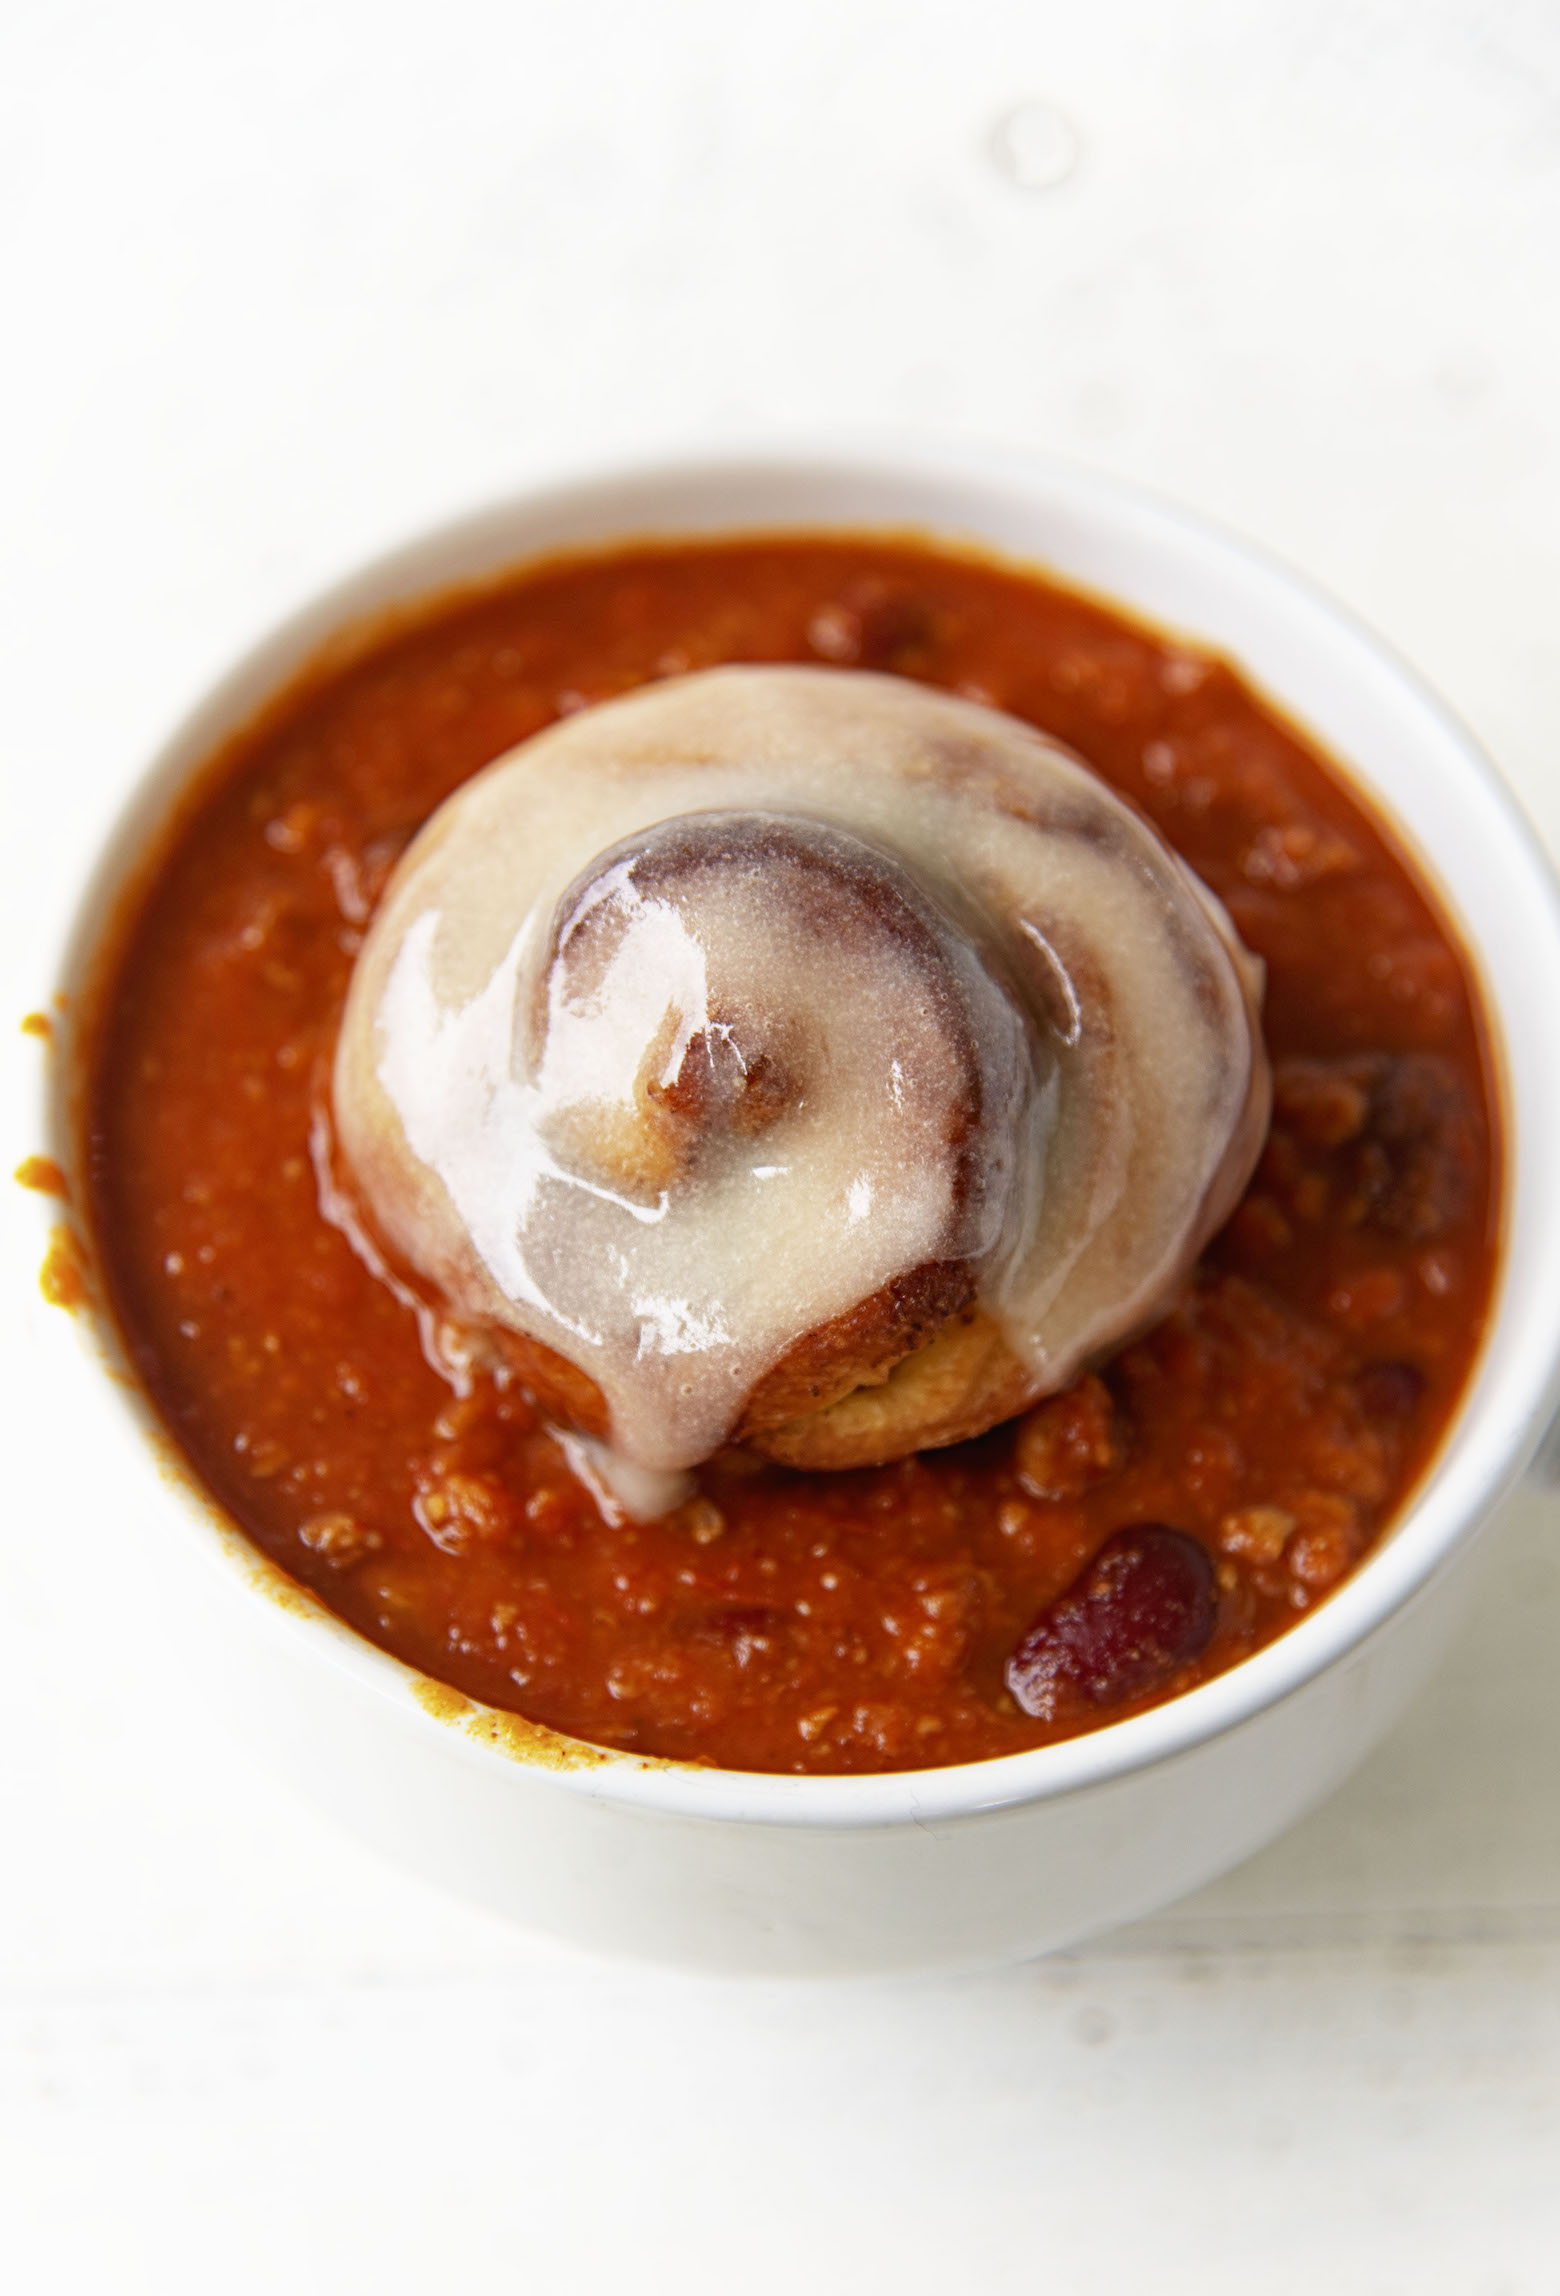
(1148, 1527)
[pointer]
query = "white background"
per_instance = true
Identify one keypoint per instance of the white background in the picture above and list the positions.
(278, 285)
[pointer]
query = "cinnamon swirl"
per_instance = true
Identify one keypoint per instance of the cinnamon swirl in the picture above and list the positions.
(797, 1057)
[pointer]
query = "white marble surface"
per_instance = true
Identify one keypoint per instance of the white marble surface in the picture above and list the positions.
(280, 285)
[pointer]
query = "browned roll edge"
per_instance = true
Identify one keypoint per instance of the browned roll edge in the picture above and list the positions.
(962, 1381)
(840, 1396)
(914, 1367)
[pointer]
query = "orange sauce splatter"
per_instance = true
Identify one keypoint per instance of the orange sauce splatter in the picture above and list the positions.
(42, 1173)
(62, 1279)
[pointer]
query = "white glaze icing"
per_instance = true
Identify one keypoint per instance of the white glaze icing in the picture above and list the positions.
(927, 920)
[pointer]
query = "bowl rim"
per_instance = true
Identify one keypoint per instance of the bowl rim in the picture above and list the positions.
(1479, 1460)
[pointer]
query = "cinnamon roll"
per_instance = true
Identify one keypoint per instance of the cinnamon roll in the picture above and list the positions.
(802, 1058)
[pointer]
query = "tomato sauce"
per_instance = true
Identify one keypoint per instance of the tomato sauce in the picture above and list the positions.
(1264, 1433)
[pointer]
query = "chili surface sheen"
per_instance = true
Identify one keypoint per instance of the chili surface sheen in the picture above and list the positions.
(781, 1621)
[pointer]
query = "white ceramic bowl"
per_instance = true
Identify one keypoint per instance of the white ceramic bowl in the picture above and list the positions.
(995, 1860)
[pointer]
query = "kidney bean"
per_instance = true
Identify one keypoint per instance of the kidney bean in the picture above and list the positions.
(1390, 1390)
(1422, 1148)
(1145, 1605)
(1401, 1132)
(875, 626)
